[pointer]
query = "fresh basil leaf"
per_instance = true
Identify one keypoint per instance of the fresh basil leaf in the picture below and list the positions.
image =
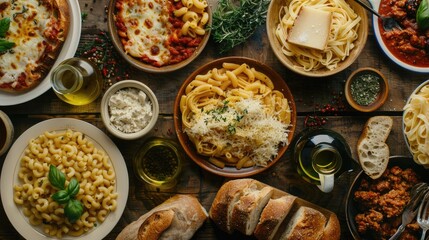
(61, 196)
(6, 45)
(56, 177)
(73, 210)
(73, 187)
(422, 15)
(4, 26)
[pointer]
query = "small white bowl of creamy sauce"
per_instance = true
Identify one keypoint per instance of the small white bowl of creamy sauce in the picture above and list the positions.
(129, 109)
(6, 132)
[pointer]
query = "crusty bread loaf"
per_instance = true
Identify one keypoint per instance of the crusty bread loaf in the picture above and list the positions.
(177, 218)
(272, 216)
(246, 212)
(223, 204)
(306, 223)
(373, 152)
(242, 203)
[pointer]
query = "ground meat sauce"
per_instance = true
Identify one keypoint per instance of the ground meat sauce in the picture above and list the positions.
(380, 203)
(410, 45)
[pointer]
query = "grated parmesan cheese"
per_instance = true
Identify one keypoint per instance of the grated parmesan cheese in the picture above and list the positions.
(130, 110)
(243, 127)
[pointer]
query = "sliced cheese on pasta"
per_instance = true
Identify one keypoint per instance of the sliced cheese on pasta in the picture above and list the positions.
(311, 28)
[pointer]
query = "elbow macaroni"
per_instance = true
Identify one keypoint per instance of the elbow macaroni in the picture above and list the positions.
(195, 17)
(77, 157)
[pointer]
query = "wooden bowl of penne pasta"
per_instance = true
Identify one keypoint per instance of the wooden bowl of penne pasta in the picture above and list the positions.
(316, 39)
(235, 117)
(156, 37)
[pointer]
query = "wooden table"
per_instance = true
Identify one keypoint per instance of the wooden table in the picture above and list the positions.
(309, 95)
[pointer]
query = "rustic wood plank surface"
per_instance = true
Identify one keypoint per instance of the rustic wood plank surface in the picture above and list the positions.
(309, 94)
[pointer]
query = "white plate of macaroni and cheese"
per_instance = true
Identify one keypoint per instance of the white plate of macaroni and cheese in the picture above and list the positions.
(84, 155)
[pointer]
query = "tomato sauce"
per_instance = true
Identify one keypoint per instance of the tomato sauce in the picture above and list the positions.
(410, 45)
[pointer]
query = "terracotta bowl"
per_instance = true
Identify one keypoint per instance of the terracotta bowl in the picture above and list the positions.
(111, 11)
(290, 62)
(188, 146)
(382, 96)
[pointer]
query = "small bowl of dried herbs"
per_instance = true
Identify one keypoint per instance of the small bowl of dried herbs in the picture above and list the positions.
(366, 89)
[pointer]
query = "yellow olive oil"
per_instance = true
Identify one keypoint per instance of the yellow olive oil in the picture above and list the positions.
(77, 81)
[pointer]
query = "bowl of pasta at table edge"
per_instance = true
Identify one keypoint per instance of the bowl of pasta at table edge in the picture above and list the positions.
(235, 117)
(314, 38)
(407, 47)
(159, 37)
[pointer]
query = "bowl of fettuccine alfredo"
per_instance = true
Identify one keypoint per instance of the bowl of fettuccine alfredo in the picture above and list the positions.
(316, 38)
(234, 117)
(415, 124)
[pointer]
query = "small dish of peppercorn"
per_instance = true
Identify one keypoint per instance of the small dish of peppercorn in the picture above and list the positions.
(366, 89)
(158, 163)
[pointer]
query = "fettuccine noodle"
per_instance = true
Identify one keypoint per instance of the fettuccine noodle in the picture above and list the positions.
(234, 116)
(416, 125)
(343, 33)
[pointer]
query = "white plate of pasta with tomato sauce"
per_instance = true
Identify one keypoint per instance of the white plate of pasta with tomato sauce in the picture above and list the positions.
(80, 151)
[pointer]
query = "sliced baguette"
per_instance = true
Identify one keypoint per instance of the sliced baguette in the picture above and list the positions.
(306, 223)
(247, 210)
(373, 152)
(223, 204)
(272, 216)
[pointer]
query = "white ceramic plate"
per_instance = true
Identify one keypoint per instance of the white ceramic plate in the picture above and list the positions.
(375, 5)
(68, 51)
(9, 177)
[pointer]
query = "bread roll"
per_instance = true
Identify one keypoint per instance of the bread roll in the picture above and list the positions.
(272, 216)
(372, 150)
(306, 223)
(246, 212)
(177, 218)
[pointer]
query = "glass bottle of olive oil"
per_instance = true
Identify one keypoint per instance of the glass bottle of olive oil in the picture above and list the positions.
(77, 81)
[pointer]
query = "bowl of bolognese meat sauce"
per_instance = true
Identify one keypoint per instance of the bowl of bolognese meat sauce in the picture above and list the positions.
(159, 36)
(408, 47)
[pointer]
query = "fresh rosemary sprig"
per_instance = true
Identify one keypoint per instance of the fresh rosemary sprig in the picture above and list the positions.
(233, 22)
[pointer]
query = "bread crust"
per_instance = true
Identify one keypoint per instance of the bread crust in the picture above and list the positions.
(332, 229)
(228, 194)
(155, 225)
(189, 216)
(272, 216)
(247, 210)
(307, 223)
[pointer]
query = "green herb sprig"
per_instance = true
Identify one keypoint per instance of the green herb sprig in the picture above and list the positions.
(4, 27)
(233, 24)
(73, 208)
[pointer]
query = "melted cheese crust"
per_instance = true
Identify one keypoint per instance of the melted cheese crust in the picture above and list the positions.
(146, 28)
(30, 23)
